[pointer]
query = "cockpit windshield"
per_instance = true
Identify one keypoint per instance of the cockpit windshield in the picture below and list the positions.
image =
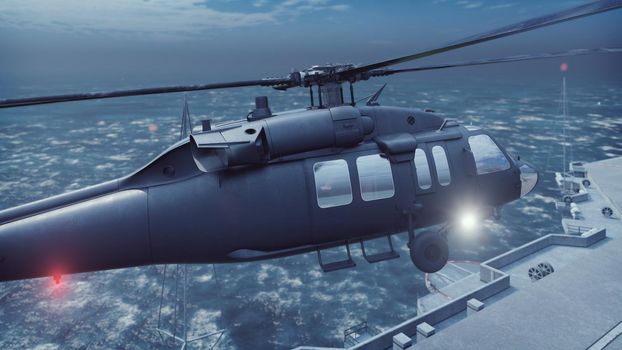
(488, 156)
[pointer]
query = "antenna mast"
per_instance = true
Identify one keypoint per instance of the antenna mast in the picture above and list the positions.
(564, 126)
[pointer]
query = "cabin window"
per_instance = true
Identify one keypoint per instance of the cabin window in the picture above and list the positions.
(442, 167)
(375, 177)
(423, 170)
(332, 183)
(488, 156)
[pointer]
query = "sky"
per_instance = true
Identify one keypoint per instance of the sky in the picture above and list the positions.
(62, 45)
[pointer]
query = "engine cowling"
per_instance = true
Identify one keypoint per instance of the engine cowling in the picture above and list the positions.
(259, 141)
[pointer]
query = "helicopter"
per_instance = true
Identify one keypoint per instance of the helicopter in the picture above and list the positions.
(278, 184)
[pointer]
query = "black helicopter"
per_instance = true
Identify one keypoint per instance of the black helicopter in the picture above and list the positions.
(279, 184)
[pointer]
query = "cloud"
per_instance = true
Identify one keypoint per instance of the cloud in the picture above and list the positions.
(470, 4)
(118, 16)
(340, 7)
(299, 7)
(260, 3)
(153, 17)
(501, 6)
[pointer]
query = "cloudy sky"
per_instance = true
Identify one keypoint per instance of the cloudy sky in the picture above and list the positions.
(136, 43)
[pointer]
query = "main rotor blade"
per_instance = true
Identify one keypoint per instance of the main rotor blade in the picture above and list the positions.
(520, 27)
(575, 52)
(29, 101)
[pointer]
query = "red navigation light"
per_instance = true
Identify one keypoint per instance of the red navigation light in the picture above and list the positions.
(56, 279)
(563, 67)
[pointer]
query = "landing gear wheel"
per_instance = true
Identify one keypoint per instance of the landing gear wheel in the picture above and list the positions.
(607, 212)
(586, 183)
(534, 273)
(545, 269)
(429, 252)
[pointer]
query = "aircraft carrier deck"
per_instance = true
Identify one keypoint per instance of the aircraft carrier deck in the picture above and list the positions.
(573, 301)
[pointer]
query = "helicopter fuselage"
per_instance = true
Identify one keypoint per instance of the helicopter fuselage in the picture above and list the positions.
(411, 170)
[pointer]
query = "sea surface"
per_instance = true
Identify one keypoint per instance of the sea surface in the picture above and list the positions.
(281, 303)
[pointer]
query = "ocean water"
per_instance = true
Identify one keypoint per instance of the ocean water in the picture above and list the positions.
(282, 303)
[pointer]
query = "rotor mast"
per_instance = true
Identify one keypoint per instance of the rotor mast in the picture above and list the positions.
(328, 82)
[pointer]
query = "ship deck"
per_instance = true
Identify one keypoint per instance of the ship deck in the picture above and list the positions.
(578, 306)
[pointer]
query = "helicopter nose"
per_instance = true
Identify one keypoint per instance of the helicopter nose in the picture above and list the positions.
(528, 179)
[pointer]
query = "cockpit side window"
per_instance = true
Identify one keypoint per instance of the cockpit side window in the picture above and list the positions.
(423, 170)
(488, 156)
(375, 177)
(332, 183)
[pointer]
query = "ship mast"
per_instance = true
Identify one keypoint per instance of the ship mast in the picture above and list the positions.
(564, 110)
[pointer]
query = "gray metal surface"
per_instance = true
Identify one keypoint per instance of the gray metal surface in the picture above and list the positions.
(516, 58)
(575, 307)
(107, 232)
(569, 309)
(234, 212)
(566, 310)
(605, 175)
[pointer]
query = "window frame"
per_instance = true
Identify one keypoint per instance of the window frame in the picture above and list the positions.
(424, 149)
(317, 188)
(449, 166)
(358, 171)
